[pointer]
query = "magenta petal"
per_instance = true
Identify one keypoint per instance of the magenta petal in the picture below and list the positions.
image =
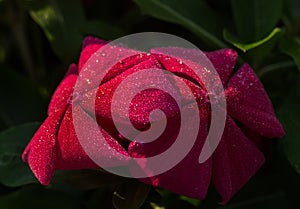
(223, 60)
(188, 177)
(249, 103)
(74, 156)
(62, 95)
(105, 93)
(90, 46)
(90, 40)
(235, 161)
(40, 153)
(69, 151)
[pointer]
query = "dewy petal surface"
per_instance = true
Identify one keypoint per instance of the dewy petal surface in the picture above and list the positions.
(89, 47)
(235, 161)
(188, 177)
(249, 103)
(40, 153)
(223, 60)
(63, 94)
(69, 150)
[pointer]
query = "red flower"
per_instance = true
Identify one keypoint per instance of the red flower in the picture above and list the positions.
(235, 161)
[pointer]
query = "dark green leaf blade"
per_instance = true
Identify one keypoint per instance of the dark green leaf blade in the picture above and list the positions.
(130, 195)
(14, 172)
(289, 115)
(291, 47)
(189, 14)
(61, 22)
(247, 46)
(255, 19)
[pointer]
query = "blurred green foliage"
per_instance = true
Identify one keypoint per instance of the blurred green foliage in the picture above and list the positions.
(40, 38)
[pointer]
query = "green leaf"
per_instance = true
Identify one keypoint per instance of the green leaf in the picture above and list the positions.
(21, 102)
(289, 115)
(291, 47)
(130, 195)
(194, 15)
(14, 172)
(245, 47)
(60, 20)
(255, 19)
(37, 197)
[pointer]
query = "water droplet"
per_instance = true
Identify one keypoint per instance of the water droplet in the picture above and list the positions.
(88, 81)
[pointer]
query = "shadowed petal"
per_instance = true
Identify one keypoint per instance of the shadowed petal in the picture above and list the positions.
(235, 161)
(188, 177)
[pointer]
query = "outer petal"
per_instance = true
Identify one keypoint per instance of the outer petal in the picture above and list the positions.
(90, 46)
(70, 153)
(40, 153)
(188, 177)
(223, 60)
(235, 161)
(62, 95)
(249, 103)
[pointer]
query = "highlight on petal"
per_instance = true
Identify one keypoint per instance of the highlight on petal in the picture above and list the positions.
(235, 161)
(249, 103)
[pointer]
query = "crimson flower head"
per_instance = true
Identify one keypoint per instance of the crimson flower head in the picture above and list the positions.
(250, 119)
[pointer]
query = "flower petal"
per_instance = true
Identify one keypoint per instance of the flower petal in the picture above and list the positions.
(89, 47)
(188, 177)
(235, 161)
(249, 103)
(105, 94)
(40, 153)
(70, 153)
(63, 93)
(223, 60)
